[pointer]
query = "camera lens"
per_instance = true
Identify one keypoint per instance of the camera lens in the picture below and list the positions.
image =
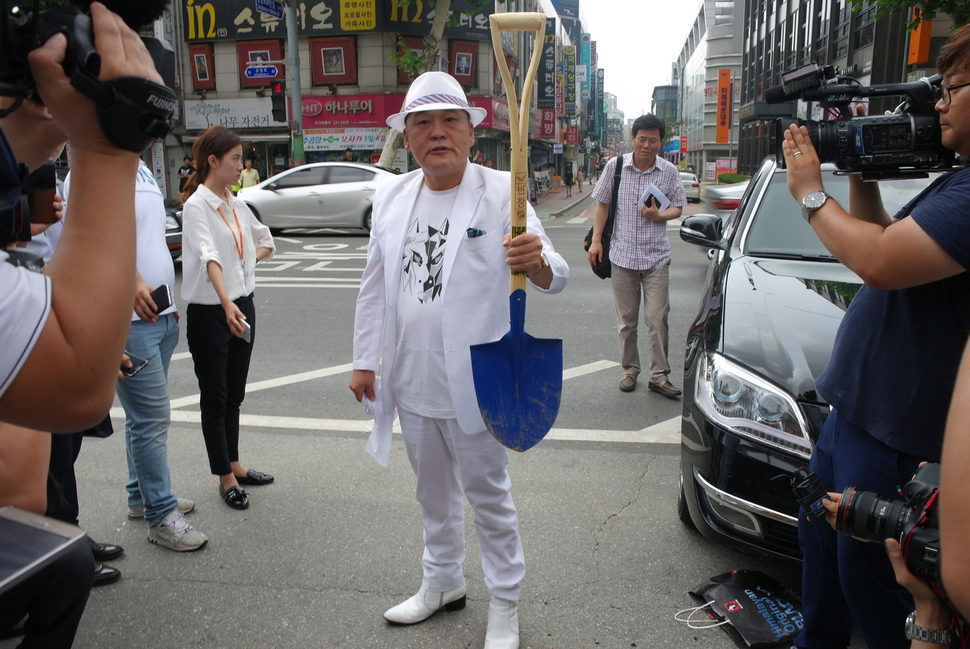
(865, 515)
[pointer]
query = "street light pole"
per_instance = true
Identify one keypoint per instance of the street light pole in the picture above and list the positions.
(293, 82)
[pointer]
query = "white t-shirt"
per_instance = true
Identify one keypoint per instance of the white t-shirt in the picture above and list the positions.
(25, 302)
(210, 233)
(419, 379)
(153, 260)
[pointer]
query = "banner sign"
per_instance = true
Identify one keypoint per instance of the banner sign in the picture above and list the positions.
(414, 18)
(560, 82)
(600, 89)
(723, 111)
(572, 135)
(584, 62)
(235, 114)
(569, 90)
(341, 139)
(546, 97)
(214, 20)
(548, 121)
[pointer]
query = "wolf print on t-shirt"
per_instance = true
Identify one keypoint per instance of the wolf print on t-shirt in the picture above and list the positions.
(424, 255)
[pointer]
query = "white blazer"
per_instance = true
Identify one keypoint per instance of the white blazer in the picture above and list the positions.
(475, 280)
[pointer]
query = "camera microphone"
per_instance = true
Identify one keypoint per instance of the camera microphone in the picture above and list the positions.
(777, 94)
(136, 13)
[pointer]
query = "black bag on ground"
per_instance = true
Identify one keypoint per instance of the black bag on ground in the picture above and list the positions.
(754, 609)
(604, 269)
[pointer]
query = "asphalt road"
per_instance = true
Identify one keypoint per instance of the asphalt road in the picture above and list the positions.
(336, 540)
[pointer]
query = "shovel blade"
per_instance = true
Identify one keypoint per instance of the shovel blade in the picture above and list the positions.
(518, 382)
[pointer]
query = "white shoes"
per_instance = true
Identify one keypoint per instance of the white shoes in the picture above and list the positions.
(503, 624)
(424, 604)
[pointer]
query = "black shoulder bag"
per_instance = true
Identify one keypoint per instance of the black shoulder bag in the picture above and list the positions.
(604, 268)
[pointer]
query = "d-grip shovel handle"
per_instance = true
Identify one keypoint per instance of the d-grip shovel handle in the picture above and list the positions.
(518, 113)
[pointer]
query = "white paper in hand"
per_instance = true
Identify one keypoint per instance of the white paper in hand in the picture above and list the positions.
(659, 197)
(379, 442)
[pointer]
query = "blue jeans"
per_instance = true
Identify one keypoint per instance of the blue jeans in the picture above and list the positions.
(144, 397)
(844, 579)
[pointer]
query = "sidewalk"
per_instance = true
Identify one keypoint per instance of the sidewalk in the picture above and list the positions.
(552, 205)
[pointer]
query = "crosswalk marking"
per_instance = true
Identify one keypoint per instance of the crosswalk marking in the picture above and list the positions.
(666, 432)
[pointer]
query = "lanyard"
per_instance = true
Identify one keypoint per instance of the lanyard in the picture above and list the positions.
(238, 242)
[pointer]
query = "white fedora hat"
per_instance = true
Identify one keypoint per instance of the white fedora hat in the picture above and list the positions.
(435, 91)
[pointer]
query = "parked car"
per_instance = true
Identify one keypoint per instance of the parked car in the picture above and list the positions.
(723, 199)
(173, 227)
(767, 322)
(692, 188)
(318, 195)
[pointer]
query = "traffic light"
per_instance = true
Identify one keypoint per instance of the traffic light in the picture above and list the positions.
(278, 92)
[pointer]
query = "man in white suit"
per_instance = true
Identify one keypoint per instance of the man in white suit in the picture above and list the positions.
(436, 283)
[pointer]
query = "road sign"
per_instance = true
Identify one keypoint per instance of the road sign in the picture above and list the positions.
(273, 8)
(262, 72)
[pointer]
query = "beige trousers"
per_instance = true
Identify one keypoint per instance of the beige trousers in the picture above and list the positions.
(627, 287)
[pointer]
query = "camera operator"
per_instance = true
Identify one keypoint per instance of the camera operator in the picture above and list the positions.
(64, 334)
(893, 364)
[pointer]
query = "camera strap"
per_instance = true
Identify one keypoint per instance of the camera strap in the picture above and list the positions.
(132, 111)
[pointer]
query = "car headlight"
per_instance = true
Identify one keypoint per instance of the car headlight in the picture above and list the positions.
(171, 223)
(749, 406)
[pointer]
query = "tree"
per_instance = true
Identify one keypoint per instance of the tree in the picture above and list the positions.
(958, 10)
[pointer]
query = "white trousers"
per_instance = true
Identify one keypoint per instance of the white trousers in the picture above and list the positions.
(448, 461)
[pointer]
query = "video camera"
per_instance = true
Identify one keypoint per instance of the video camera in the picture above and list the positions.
(905, 143)
(132, 111)
(913, 521)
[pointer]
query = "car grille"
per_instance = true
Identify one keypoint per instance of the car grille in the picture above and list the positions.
(780, 537)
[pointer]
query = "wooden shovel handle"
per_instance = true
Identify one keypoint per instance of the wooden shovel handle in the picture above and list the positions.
(518, 113)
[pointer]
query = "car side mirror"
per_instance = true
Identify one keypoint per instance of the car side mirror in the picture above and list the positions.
(703, 230)
(272, 187)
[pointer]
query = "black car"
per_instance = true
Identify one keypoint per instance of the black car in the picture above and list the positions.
(767, 322)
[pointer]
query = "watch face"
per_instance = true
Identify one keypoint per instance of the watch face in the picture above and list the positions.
(814, 200)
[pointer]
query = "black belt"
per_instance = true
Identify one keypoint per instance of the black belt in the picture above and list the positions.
(242, 300)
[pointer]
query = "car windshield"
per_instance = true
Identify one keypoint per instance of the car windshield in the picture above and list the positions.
(778, 228)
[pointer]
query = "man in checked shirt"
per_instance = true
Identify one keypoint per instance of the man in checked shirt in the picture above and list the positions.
(640, 250)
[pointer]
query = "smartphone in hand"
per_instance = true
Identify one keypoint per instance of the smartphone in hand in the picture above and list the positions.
(162, 297)
(137, 364)
(247, 330)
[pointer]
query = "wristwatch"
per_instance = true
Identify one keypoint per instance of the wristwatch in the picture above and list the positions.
(811, 202)
(914, 632)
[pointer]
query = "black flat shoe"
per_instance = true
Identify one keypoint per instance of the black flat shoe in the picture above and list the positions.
(104, 575)
(254, 478)
(104, 551)
(235, 497)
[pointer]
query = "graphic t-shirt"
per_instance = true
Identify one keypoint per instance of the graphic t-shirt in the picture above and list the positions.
(419, 379)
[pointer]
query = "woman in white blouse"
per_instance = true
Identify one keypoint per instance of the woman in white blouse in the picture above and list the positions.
(221, 242)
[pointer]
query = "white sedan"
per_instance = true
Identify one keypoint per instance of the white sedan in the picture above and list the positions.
(317, 195)
(692, 188)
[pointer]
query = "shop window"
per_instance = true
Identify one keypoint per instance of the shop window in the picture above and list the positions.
(203, 66)
(258, 54)
(334, 60)
(416, 45)
(462, 60)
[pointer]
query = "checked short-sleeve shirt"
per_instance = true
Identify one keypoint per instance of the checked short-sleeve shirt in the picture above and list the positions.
(639, 243)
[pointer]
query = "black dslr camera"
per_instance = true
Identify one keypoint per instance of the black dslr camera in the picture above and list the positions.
(913, 521)
(904, 143)
(132, 111)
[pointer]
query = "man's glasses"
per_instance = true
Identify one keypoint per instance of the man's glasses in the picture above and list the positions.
(944, 91)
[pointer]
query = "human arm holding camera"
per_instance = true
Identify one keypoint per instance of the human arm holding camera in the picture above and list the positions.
(92, 274)
(885, 255)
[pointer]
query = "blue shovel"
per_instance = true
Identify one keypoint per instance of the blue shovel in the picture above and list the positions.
(518, 378)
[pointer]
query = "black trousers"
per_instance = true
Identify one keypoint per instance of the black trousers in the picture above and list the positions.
(222, 367)
(53, 599)
(64, 452)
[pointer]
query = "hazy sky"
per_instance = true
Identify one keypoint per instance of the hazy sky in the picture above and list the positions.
(636, 43)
